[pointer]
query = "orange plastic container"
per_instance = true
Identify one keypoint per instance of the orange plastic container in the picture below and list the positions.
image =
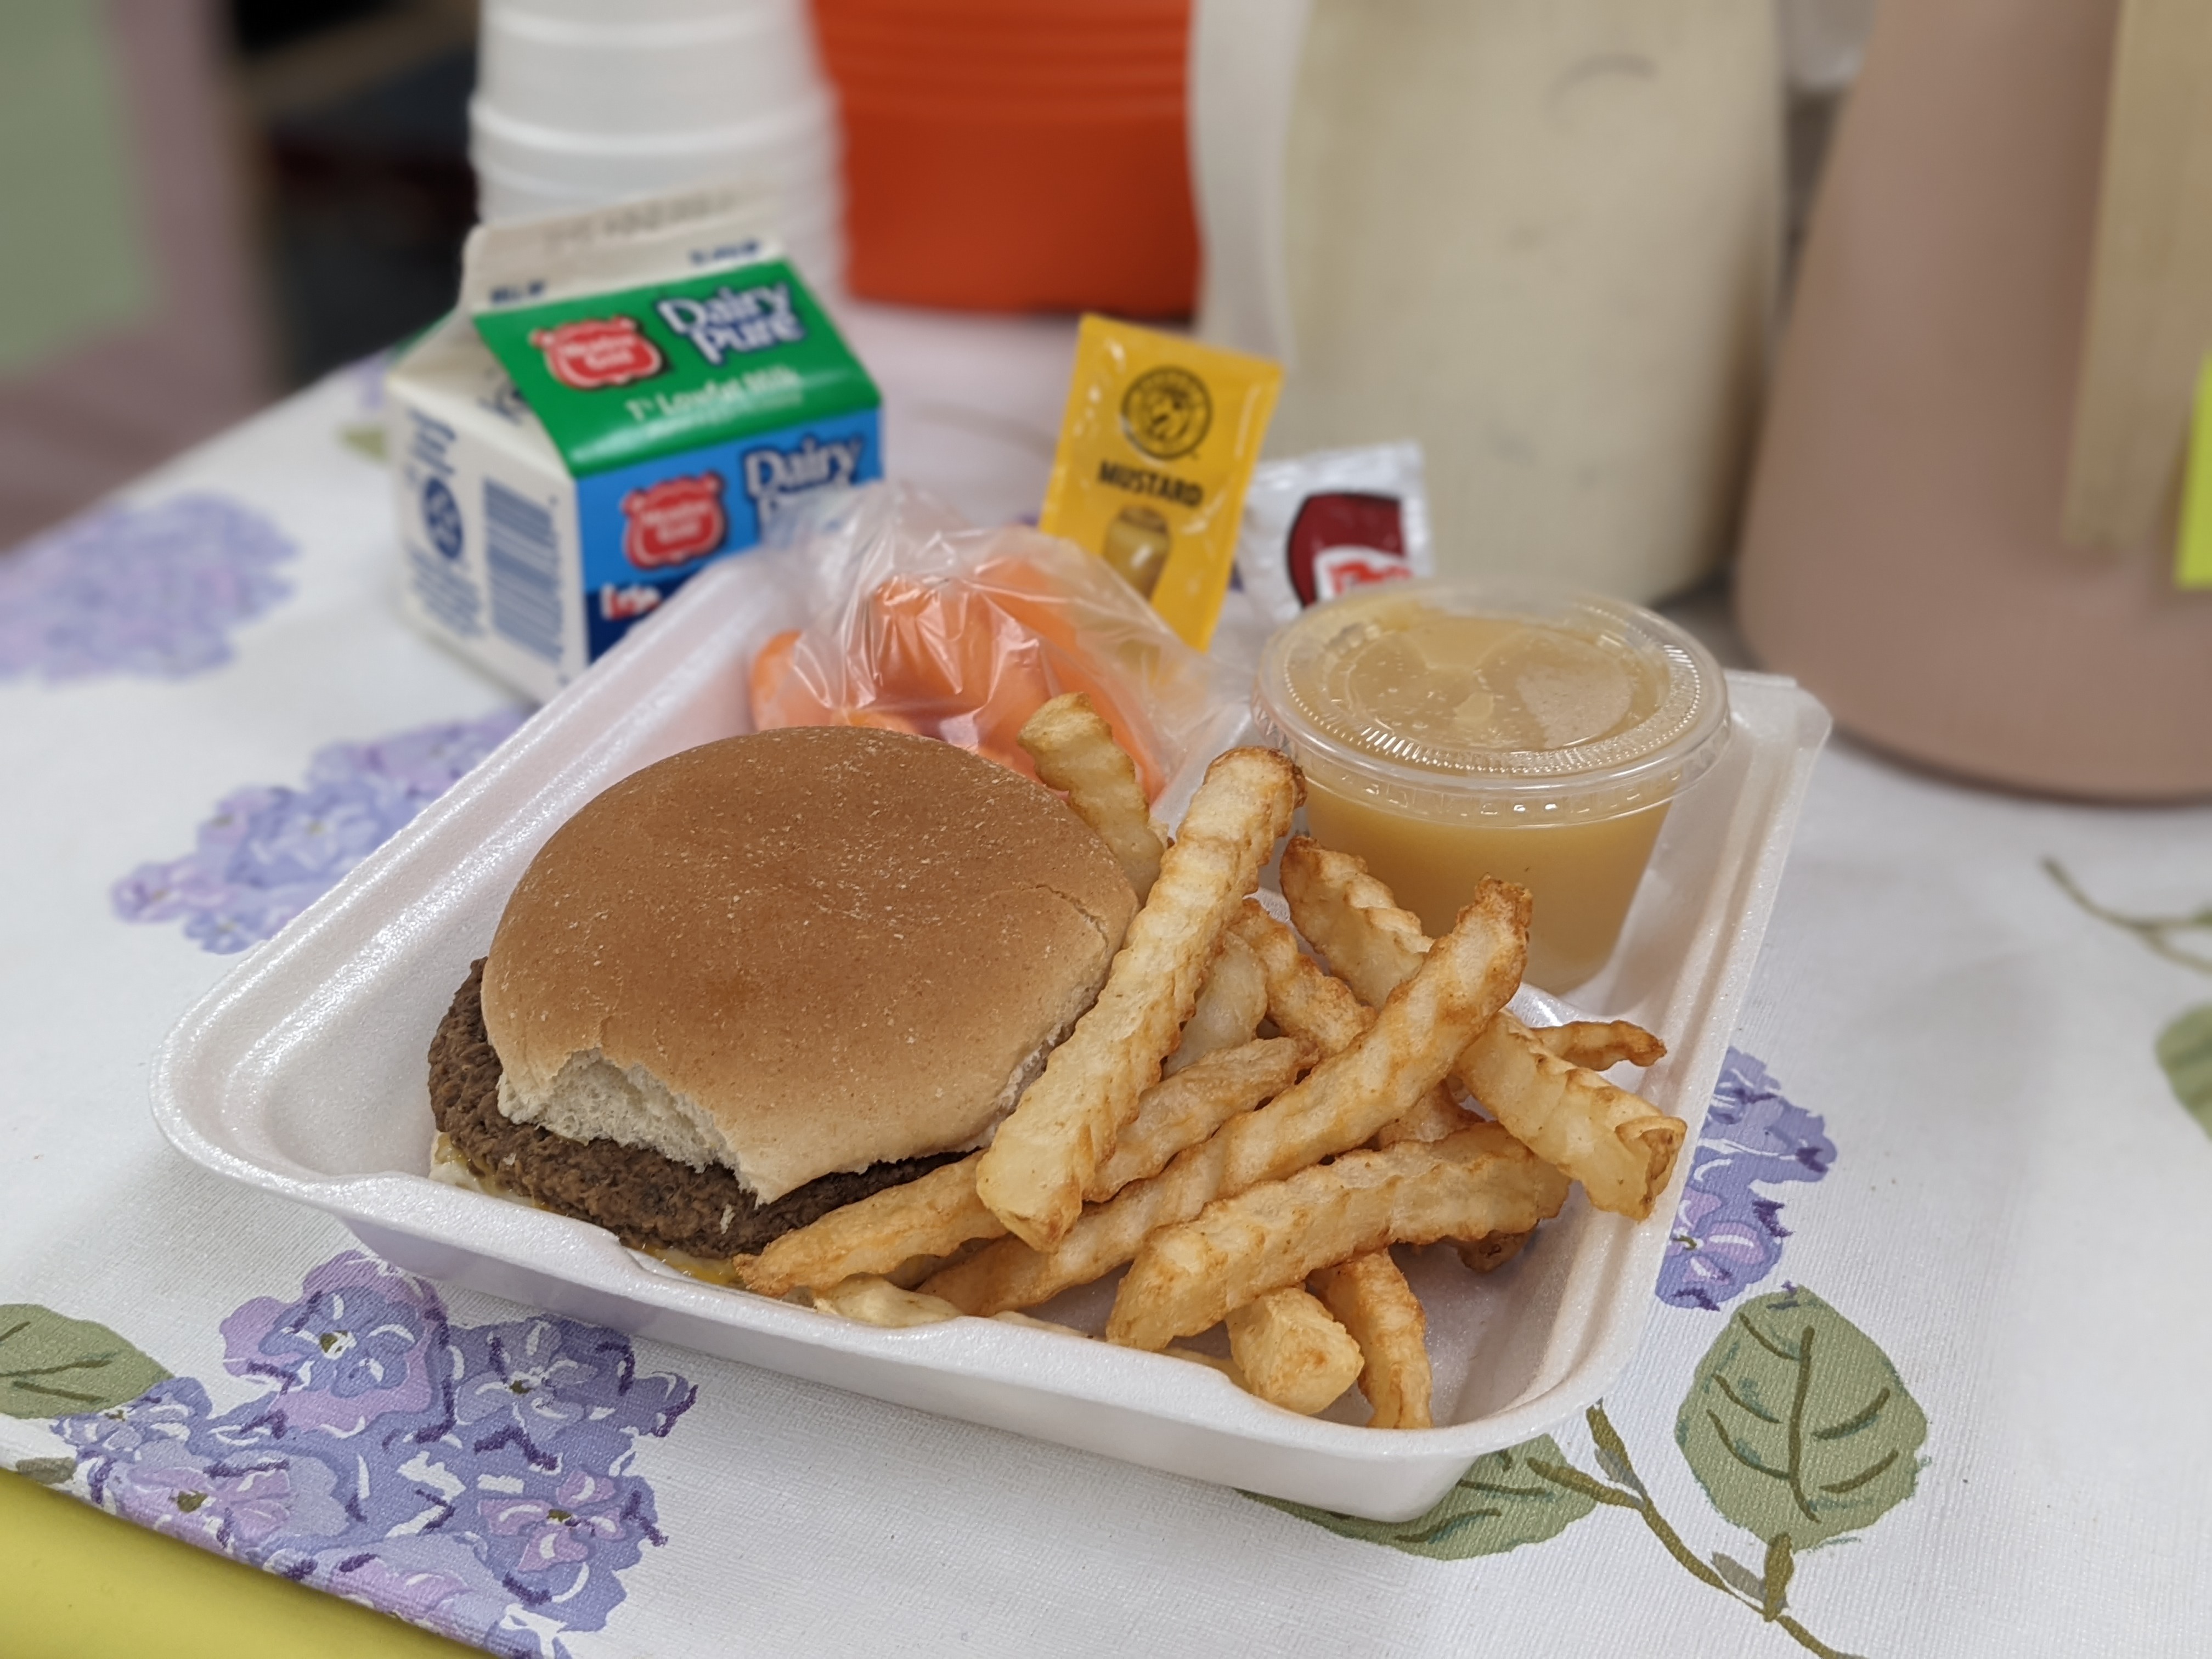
(1007, 155)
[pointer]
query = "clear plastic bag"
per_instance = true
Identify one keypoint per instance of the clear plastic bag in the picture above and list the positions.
(917, 621)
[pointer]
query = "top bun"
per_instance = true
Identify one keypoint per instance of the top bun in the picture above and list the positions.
(799, 953)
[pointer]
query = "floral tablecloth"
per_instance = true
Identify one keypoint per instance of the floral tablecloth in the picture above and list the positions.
(1925, 1375)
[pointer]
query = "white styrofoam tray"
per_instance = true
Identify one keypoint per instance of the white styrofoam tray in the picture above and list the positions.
(303, 1073)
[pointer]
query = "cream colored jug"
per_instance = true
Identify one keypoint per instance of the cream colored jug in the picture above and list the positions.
(1540, 236)
(1903, 554)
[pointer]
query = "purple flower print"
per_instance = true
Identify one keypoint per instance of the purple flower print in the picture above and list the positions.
(166, 1417)
(232, 1508)
(1756, 1128)
(544, 1386)
(154, 591)
(358, 1347)
(564, 1536)
(1719, 1246)
(430, 1579)
(1727, 1237)
(270, 851)
(475, 1481)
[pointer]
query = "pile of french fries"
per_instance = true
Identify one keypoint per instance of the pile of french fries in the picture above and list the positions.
(1248, 1121)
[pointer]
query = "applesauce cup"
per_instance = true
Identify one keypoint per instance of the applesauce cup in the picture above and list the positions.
(1454, 729)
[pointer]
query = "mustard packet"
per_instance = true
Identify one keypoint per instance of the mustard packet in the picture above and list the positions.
(1158, 442)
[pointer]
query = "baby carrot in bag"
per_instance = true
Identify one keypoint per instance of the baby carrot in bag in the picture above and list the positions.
(1157, 444)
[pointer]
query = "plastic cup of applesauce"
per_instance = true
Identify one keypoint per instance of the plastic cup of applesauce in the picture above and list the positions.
(1451, 730)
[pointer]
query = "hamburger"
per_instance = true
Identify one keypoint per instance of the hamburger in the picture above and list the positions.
(767, 976)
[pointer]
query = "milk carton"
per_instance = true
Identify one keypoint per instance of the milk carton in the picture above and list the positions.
(622, 397)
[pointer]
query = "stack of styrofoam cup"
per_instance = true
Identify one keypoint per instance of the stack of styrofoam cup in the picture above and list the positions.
(579, 102)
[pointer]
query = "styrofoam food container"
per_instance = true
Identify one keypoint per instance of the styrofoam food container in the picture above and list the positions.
(303, 1074)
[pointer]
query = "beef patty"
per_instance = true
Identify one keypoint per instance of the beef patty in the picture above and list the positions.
(645, 1198)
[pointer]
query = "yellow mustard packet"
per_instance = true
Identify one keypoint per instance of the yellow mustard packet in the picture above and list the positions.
(1159, 441)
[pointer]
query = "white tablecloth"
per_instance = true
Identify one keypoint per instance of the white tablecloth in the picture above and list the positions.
(1948, 1150)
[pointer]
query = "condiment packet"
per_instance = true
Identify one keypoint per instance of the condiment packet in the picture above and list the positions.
(1159, 441)
(1321, 525)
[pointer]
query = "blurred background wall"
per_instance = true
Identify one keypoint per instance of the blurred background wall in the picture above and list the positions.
(208, 203)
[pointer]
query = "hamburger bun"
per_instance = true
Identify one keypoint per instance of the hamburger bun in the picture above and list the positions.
(798, 953)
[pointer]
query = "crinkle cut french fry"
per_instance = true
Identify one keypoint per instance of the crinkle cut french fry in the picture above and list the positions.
(1616, 1143)
(1371, 1299)
(1481, 1180)
(1074, 752)
(1184, 1109)
(1352, 918)
(938, 1215)
(1434, 1116)
(1463, 980)
(933, 1214)
(1034, 1172)
(1302, 1001)
(1008, 1274)
(1292, 1352)
(1337, 1105)
(1230, 1005)
(1305, 1000)
(1598, 1045)
(1613, 1142)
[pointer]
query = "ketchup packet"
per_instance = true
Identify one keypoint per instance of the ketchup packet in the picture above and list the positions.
(1159, 438)
(918, 622)
(1321, 525)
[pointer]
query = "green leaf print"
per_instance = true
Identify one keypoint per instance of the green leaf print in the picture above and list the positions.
(1798, 1427)
(52, 1366)
(46, 1471)
(1499, 1504)
(2184, 1049)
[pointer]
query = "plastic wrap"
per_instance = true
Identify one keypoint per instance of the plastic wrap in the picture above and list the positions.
(917, 621)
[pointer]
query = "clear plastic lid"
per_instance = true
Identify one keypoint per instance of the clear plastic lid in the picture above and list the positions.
(1455, 694)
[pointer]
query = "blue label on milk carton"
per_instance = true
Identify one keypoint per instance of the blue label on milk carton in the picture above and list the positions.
(649, 528)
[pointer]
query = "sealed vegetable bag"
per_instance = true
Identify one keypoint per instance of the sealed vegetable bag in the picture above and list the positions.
(919, 621)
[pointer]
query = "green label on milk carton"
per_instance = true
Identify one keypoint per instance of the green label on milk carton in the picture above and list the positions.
(649, 372)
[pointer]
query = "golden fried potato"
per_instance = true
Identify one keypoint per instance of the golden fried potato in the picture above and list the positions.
(1184, 1109)
(1464, 980)
(1291, 1351)
(1230, 1005)
(1396, 1059)
(906, 1233)
(1306, 1001)
(1033, 1174)
(1187, 1277)
(1352, 918)
(1371, 1299)
(1616, 1143)
(1435, 1116)
(1008, 1274)
(1598, 1045)
(932, 1215)
(1074, 752)
(1303, 999)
